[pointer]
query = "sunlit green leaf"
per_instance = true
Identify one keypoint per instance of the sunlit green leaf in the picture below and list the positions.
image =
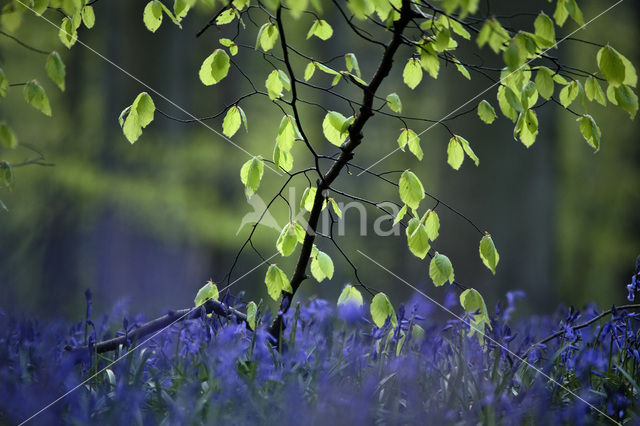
(67, 34)
(321, 266)
(55, 69)
(411, 189)
(611, 65)
(349, 295)
(35, 96)
(152, 15)
(287, 240)
(321, 29)
(214, 68)
(232, 121)
(394, 102)
(381, 309)
(486, 112)
(277, 282)
(206, 292)
(488, 253)
(8, 138)
(251, 175)
(412, 73)
(590, 130)
(252, 311)
(352, 63)
(441, 270)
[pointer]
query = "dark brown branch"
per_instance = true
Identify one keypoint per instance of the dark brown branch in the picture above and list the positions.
(355, 139)
(210, 306)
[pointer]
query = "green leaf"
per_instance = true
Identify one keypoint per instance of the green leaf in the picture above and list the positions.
(486, 112)
(286, 133)
(308, 196)
(282, 159)
(251, 175)
(335, 207)
(411, 189)
(139, 115)
(55, 69)
(381, 309)
(512, 56)
(467, 149)
(594, 91)
(544, 30)
(400, 215)
(214, 68)
(473, 304)
(488, 253)
(8, 139)
(394, 102)
(67, 34)
(418, 238)
(35, 96)
(494, 34)
(277, 282)
(412, 73)
(321, 266)
(206, 292)
(152, 15)
(6, 175)
(626, 99)
(88, 16)
(233, 47)
(4, 84)
(274, 85)
(432, 224)
(561, 14)
(300, 232)
(441, 270)
(227, 17)
(252, 311)
(349, 295)
(569, 93)
(590, 130)
(287, 240)
(320, 29)
(527, 126)
(506, 108)
(455, 153)
(574, 12)
(462, 69)
(429, 60)
(352, 64)
(181, 8)
(409, 137)
(232, 121)
(332, 127)
(325, 69)
(39, 6)
(267, 37)
(544, 82)
(309, 70)
(611, 65)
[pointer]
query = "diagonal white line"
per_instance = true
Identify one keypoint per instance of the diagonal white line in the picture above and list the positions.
(494, 85)
(490, 338)
(141, 344)
(142, 83)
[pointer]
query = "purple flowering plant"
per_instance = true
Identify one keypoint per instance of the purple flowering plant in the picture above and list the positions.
(361, 360)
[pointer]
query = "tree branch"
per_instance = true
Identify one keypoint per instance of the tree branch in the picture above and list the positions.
(210, 306)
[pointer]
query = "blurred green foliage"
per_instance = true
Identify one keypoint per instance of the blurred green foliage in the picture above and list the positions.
(565, 220)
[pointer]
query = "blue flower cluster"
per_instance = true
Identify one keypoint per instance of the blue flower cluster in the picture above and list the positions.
(333, 365)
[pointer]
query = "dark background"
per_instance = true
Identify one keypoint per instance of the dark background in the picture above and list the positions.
(149, 223)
